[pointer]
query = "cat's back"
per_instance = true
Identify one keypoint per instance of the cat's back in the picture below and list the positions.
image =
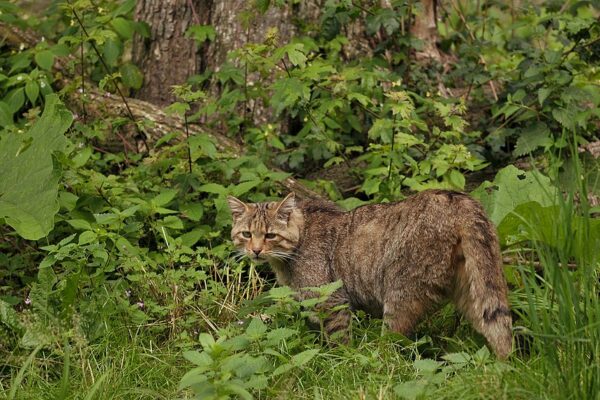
(444, 207)
(431, 216)
(438, 204)
(433, 206)
(319, 212)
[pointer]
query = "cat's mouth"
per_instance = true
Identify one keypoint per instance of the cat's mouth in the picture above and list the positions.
(258, 258)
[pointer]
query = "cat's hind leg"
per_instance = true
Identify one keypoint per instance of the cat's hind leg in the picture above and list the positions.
(402, 311)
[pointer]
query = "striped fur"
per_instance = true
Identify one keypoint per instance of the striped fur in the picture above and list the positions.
(396, 260)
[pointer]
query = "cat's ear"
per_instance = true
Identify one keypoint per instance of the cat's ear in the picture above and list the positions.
(236, 206)
(286, 206)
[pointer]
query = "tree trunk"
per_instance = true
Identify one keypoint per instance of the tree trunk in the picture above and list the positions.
(167, 57)
(425, 29)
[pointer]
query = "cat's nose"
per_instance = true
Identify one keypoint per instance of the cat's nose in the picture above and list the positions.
(257, 251)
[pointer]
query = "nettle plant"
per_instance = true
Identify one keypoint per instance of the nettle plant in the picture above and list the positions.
(258, 354)
(25, 76)
(341, 111)
(95, 35)
(542, 68)
(522, 87)
(99, 35)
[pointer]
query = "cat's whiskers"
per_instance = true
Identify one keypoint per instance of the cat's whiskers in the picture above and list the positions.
(282, 256)
(238, 255)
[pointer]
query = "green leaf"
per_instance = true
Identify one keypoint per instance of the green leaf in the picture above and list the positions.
(164, 197)
(214, 188)
(533, 137)
(80, 224)
(32, 90)
(201, 359)
(87, 237)
(177, 108)
(283, 292)
(427, 365)
(20, 62)
(371, 186)
(131, 76)
(482, 355)
(382, 129)
(15, 99)
(191, 238)
(295, 53)
(456, 179)
(256, 328)
(238, 390)
(244, 188)
(172, 222)
(351, 203)
(192, 211)
(193, 377)
(457, 358)
(543, 94)
(45, 59)
(361, 98)
(512, 187)
(29, 184)
(112, 50)
(277, 335)
(283, 368)
(201, 33)
(277, 176)
(565, 117)
(123, 27)
(411, 390)
(202, 144)
(6, 115)
(287, 92)
(206, 340)
(9, 316)
(304, 357)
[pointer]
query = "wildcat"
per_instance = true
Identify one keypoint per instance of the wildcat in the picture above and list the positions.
(395, 260)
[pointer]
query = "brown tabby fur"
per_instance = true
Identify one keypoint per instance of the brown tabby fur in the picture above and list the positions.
(396, 260)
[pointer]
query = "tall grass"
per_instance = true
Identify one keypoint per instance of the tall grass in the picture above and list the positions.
(562, 297)
(557, 301)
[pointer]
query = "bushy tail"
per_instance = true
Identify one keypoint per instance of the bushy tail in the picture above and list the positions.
(480, 292)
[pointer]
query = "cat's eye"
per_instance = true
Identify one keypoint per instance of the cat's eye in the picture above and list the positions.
(270, 236)
(246, 234)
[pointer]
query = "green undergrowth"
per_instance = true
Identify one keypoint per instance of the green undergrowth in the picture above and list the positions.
(117, 276)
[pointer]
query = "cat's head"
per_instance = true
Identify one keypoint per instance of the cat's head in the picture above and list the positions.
(266, 231)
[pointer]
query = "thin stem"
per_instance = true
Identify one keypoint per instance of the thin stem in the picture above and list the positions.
(195, 16)
(392, 149)
(83, 109)
(461, 15)
(141, 134)
(360, 7)
(408, 36)
(187, 135)
(316, 125)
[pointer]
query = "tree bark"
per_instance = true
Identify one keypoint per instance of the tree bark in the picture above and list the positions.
(425, 29)
(167, 57)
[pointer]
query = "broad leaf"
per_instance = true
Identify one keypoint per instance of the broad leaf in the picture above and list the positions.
(29, 184)
(131, 76)
(511, 188)
(538, 135)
